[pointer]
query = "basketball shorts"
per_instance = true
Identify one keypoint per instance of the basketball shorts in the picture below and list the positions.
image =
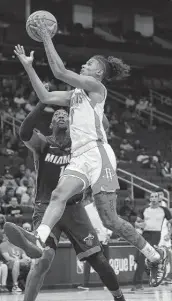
(76, 224)
(96, 168)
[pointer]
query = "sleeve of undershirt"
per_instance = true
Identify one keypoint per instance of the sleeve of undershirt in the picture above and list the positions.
(167, 212)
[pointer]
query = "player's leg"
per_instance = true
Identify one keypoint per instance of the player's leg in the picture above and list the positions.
(81, 233)
(105, 178)
(37, 274)
(106, 207)
(68, 186)
(14, 267)
(3, 277)
(39, 270)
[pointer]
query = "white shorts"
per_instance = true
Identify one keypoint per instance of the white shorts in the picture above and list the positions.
(96, 168)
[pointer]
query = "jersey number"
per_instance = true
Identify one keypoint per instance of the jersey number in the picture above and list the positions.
(62, 168)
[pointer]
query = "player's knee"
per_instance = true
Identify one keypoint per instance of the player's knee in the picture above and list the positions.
(58, 196)
(44, 263)
(108, 223)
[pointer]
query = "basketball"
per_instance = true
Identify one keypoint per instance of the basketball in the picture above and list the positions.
(49, 20)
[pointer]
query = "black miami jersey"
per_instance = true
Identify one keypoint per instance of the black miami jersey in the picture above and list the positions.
(50, 165)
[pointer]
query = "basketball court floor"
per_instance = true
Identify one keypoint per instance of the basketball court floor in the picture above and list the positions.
(162, 293)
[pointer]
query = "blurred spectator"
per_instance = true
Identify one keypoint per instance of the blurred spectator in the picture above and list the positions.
(14, 209)
(30, 106)
(8, 135)
(27, 177)
(2, 222)
(16, 260)
(143, 158)
(21, 188)
(157, 158)
(9, 194)
(7, 173)
(126, 115)
(20, 114)
(166, 170)
(21, 172)
(113, 120)
(27, 227)
(110, 135)
(130, 102)
(128, 129)
(123, 158)
(3, 277)
(27, 198)
(137, 145)
(142, 105)
(126, 146)
(127, 211)
(3, 270)
(2, 188)
(18, 99)
(108, 111)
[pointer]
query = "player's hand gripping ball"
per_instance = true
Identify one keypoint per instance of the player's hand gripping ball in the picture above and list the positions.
(39, 22)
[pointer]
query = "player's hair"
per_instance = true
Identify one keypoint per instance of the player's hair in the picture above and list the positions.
(113, 67)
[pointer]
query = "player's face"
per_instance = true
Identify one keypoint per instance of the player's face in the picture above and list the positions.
(60, 120)
(91, 68)
(154, 198)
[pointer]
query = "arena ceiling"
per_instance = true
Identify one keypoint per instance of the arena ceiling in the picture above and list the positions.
(14, 10)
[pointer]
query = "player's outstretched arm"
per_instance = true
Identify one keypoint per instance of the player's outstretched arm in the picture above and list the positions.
(61, 98)
(87, 83)
(32, 138)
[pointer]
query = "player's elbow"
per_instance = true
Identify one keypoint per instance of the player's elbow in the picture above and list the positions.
(60, 73)
(46, 99)
(25, 133)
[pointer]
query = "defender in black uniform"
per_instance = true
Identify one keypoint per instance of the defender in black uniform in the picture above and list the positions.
(51, 156)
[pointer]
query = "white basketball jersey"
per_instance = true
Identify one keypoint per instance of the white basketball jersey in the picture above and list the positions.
(85, 119)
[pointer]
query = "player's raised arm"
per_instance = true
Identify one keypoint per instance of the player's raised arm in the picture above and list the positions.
(28, 134)
(61, 98)
(84, 82)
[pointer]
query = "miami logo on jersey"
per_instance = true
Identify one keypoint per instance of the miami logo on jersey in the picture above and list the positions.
(59, 160)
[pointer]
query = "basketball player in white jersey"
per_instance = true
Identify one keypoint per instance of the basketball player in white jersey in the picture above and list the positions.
(93, 161)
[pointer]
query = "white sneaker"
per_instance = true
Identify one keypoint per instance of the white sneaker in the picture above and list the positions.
(83, 287)
(16, 289)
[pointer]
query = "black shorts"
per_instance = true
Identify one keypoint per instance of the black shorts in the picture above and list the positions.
(76, 224)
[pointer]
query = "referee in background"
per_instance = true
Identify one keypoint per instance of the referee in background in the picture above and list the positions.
(150, 221)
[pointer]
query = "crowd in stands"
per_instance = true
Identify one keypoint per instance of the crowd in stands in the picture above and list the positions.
(125, 129)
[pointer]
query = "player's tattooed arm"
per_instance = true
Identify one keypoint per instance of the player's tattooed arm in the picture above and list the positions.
(54, 59)
(32, 138)
(87, 83)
